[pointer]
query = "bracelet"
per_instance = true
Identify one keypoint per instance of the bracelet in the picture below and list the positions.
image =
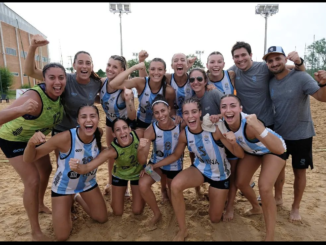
(264, 133)
(321, 85)
(300, 63)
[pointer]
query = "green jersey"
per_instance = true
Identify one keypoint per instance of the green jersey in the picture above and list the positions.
(21, 129)
(126, 165)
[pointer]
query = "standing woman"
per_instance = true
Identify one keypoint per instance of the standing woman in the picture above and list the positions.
(164, 134)
(80, 144)
(38, 109)
(123, 150)
(147, 89)
(116, 103)
(211, 165)
(263, 147)
(82, 86)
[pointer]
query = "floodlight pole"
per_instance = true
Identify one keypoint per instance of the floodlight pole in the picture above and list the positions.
(120, 34)
(266, 15)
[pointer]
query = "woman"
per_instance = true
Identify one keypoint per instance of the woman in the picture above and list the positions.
(80, 144)
(164, 134)
(115, 103)
(263, 147)
(211, 165)
(147, 89)
(123, 150)
(38, 109)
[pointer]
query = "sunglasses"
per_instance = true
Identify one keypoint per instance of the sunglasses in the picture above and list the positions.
(199, 79)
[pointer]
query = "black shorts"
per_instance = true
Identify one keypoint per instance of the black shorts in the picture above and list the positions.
(282, 156)
(229, 155)
(141, 124)
(12, 148)
(121, 182)
(301, 152)
(170, 174)
(55, 131)
(222, 184)
(131, 123)
(54, 194)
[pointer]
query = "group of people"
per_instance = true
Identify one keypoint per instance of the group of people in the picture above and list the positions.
(255, 114)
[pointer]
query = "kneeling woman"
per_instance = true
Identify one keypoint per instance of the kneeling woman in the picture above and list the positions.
(80, 144)
(123, 151)
(263, 147)
(211, 165)
(164, 134)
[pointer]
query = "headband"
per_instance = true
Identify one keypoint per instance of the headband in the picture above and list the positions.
(160, 101)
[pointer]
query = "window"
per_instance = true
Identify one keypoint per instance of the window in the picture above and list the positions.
(11, 51)
(16, 74)
(23, 54)
(37, 57)
(44, 59)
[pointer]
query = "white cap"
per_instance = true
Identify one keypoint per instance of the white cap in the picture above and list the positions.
(207, 124)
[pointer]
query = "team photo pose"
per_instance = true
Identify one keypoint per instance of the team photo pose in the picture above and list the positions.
(211, 165)
(80, 144)
(27, 114)
(263, 148)
(123, 150)
(164, 134)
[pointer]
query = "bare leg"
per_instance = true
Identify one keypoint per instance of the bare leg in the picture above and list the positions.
(164, 192)
(299, 186)
(199, 193)
(279, 188)
(31, 180)
(229, 210)
(109, 139)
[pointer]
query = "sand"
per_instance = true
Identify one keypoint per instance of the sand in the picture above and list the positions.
(14, 224)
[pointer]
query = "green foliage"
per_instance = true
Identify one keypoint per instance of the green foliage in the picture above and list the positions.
(197, 63)
(101, 73)
(24, 86)
(6, 79)
(134, 62)
(69, 69)
(316, 58)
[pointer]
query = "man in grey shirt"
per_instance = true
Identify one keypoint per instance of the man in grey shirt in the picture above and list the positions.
(289, 91)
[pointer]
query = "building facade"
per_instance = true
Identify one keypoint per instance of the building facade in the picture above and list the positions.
(15, 39)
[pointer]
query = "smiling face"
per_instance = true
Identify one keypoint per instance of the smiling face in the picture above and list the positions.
(215, 65)
(88, 119)
(179, 64)
(83, 65)
(242, 59)
(197, 82)
(161, 113)
(276, 63)
(55, 80)
(230, 110)
(156, 71)
(121, 131)
(113, 68)
(191, 115)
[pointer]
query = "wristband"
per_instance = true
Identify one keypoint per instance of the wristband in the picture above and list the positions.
(321, 85)
(264, 133)
(300, 63)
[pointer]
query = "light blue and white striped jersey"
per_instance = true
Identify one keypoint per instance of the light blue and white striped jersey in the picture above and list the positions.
(164, 144)
(252, 146)
(66, 181)
(181, 94)
(225, 85)
(210, 156)
(144, 111)
(113, 104)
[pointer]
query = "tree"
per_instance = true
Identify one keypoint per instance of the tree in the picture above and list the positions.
(101, 73)
(70, 69)
(6, 79)
(134, 62)
(197, 63)
(316, 58)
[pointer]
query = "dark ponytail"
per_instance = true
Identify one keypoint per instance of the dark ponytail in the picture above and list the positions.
(98, 139)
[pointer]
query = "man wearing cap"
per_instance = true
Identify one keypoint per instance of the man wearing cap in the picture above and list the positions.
(252, 85)
(289, 91)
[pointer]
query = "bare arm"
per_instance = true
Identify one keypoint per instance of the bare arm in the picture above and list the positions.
(228, 139)
(144, 144)
(141, 58)
(295, 58)
(129, 99)
(254, 130)
(170, 97)
(30, 68)
(75, 165)
(177, 153)
(320, 77)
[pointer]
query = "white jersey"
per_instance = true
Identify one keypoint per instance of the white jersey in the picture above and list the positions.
(66, 181)
(210, 155)
(181, 94)
(113, 104)
(225, 85)
(144, 111)
(164, 144)
(252, 146)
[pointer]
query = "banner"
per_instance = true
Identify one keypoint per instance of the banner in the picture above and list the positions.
(19, 92)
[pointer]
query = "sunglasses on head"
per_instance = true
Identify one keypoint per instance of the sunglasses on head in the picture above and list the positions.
(199, 79)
